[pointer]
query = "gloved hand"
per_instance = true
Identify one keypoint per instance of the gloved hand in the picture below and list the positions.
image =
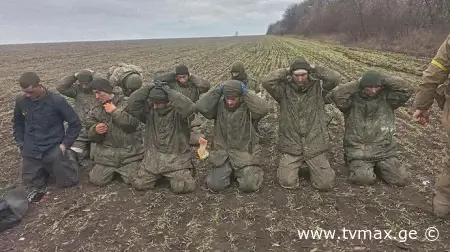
(159, 84)
(166, 88)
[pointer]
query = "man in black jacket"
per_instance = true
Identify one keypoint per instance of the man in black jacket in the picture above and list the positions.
(44, 144)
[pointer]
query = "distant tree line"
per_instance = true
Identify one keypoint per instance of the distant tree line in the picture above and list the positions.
(362, 20)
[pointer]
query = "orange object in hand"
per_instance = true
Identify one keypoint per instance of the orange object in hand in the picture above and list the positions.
(202, 152)
(109, 107)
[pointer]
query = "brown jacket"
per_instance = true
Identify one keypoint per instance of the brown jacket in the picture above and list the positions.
(432, 87)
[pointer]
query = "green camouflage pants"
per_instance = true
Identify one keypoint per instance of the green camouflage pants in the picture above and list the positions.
(102, 175)
(181, 181)
(249, 178)
(391, 170)
(322, 176)
(441, 201)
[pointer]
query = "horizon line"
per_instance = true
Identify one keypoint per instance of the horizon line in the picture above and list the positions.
(134, 39)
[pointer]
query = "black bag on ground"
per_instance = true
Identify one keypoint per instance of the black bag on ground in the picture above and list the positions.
(13, 206)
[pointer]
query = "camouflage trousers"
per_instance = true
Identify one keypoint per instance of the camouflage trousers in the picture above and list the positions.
(54, 167)
(249, 178)
(441, 200)
(322, 176)
(181, 181)
(102, 175)
(391, 171)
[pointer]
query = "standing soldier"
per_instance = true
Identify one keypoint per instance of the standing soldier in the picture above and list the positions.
(76, 86)
(238, 73)
(166, 139)
(369, 105)
(303, 133)
(236, 148)
(433, 88)
(126, 76)
(38, 129)
(116, 134)
(191, 86)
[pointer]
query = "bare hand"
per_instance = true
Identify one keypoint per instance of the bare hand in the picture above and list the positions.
(63, 148)
(101, 128)
(421, 116)
(109, 107)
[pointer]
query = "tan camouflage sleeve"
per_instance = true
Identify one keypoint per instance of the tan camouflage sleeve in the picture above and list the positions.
(436, 74)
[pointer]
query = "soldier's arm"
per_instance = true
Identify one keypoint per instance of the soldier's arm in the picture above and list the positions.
(138, 100)
(399, 91)
(330, 78)
(341, 96)
(182, 104)
(18, 123)
(91, 122)
(273, 83)
(207, 105)
(66, 87)
(202, 84)
(124, 120)
(253, 85)
(435, 74)
(257, 106)
(70, 116)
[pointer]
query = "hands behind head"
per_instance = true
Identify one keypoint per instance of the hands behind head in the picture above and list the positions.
(162, 85)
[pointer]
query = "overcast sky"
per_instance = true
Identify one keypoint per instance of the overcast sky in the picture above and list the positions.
(25, 21)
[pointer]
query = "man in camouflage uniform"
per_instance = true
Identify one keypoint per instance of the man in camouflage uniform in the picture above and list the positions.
(166, 139)
(369, 105)
(238, 73)
(191, 86)
(303, 133)
(126, 76)
(76, 86)
(236, 148)
(116, 134)
(433, 88)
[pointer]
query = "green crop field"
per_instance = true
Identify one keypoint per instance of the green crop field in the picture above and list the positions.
(118, 218)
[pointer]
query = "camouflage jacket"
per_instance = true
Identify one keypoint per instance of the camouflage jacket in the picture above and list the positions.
(302, 121)
(84, 99)
(122, 144)
(117, 73)
(166, 137)
(235, 132)
(370, 123)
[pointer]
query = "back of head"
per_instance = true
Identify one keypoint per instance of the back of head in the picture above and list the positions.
(84, 77)
(29, 79)
(133, 82)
